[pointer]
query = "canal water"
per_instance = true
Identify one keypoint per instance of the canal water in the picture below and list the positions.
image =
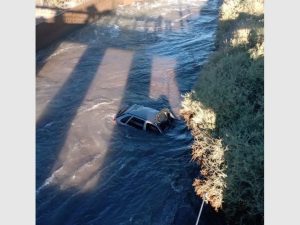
(90, 170)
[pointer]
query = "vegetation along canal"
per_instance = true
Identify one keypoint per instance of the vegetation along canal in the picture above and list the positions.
(88, 169)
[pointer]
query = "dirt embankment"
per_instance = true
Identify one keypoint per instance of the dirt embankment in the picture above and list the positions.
(45, 9)
(225, 113)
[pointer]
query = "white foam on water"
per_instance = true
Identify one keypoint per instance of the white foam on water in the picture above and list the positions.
(50, 180)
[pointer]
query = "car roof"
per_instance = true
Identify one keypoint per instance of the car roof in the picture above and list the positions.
(143, 112)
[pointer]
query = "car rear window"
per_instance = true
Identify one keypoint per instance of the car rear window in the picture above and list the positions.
(124, 120)
(137, 123)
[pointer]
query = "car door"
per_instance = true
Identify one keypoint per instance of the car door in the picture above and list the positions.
(152, 128)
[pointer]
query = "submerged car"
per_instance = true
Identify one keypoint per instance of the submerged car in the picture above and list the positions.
(145, 118)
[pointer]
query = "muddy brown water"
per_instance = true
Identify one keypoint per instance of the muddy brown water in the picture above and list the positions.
(90, 170)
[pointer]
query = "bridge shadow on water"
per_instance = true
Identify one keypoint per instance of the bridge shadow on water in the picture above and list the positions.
(132, 179)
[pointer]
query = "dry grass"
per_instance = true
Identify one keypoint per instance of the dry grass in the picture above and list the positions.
(206, 150)
(225, 114)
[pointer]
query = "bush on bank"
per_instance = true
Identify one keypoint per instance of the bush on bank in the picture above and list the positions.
(225, 113)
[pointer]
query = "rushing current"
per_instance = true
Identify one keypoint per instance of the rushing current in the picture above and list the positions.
(90, 170)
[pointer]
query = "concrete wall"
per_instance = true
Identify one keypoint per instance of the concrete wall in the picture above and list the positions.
(53, 29)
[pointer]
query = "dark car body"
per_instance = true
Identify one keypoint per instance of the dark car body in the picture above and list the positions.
(145, 118)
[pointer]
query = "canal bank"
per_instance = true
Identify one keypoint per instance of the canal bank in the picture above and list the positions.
(225, 112)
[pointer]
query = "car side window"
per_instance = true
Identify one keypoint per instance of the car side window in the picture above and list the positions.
(152, 128)
(124, 120)
(137, 123)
